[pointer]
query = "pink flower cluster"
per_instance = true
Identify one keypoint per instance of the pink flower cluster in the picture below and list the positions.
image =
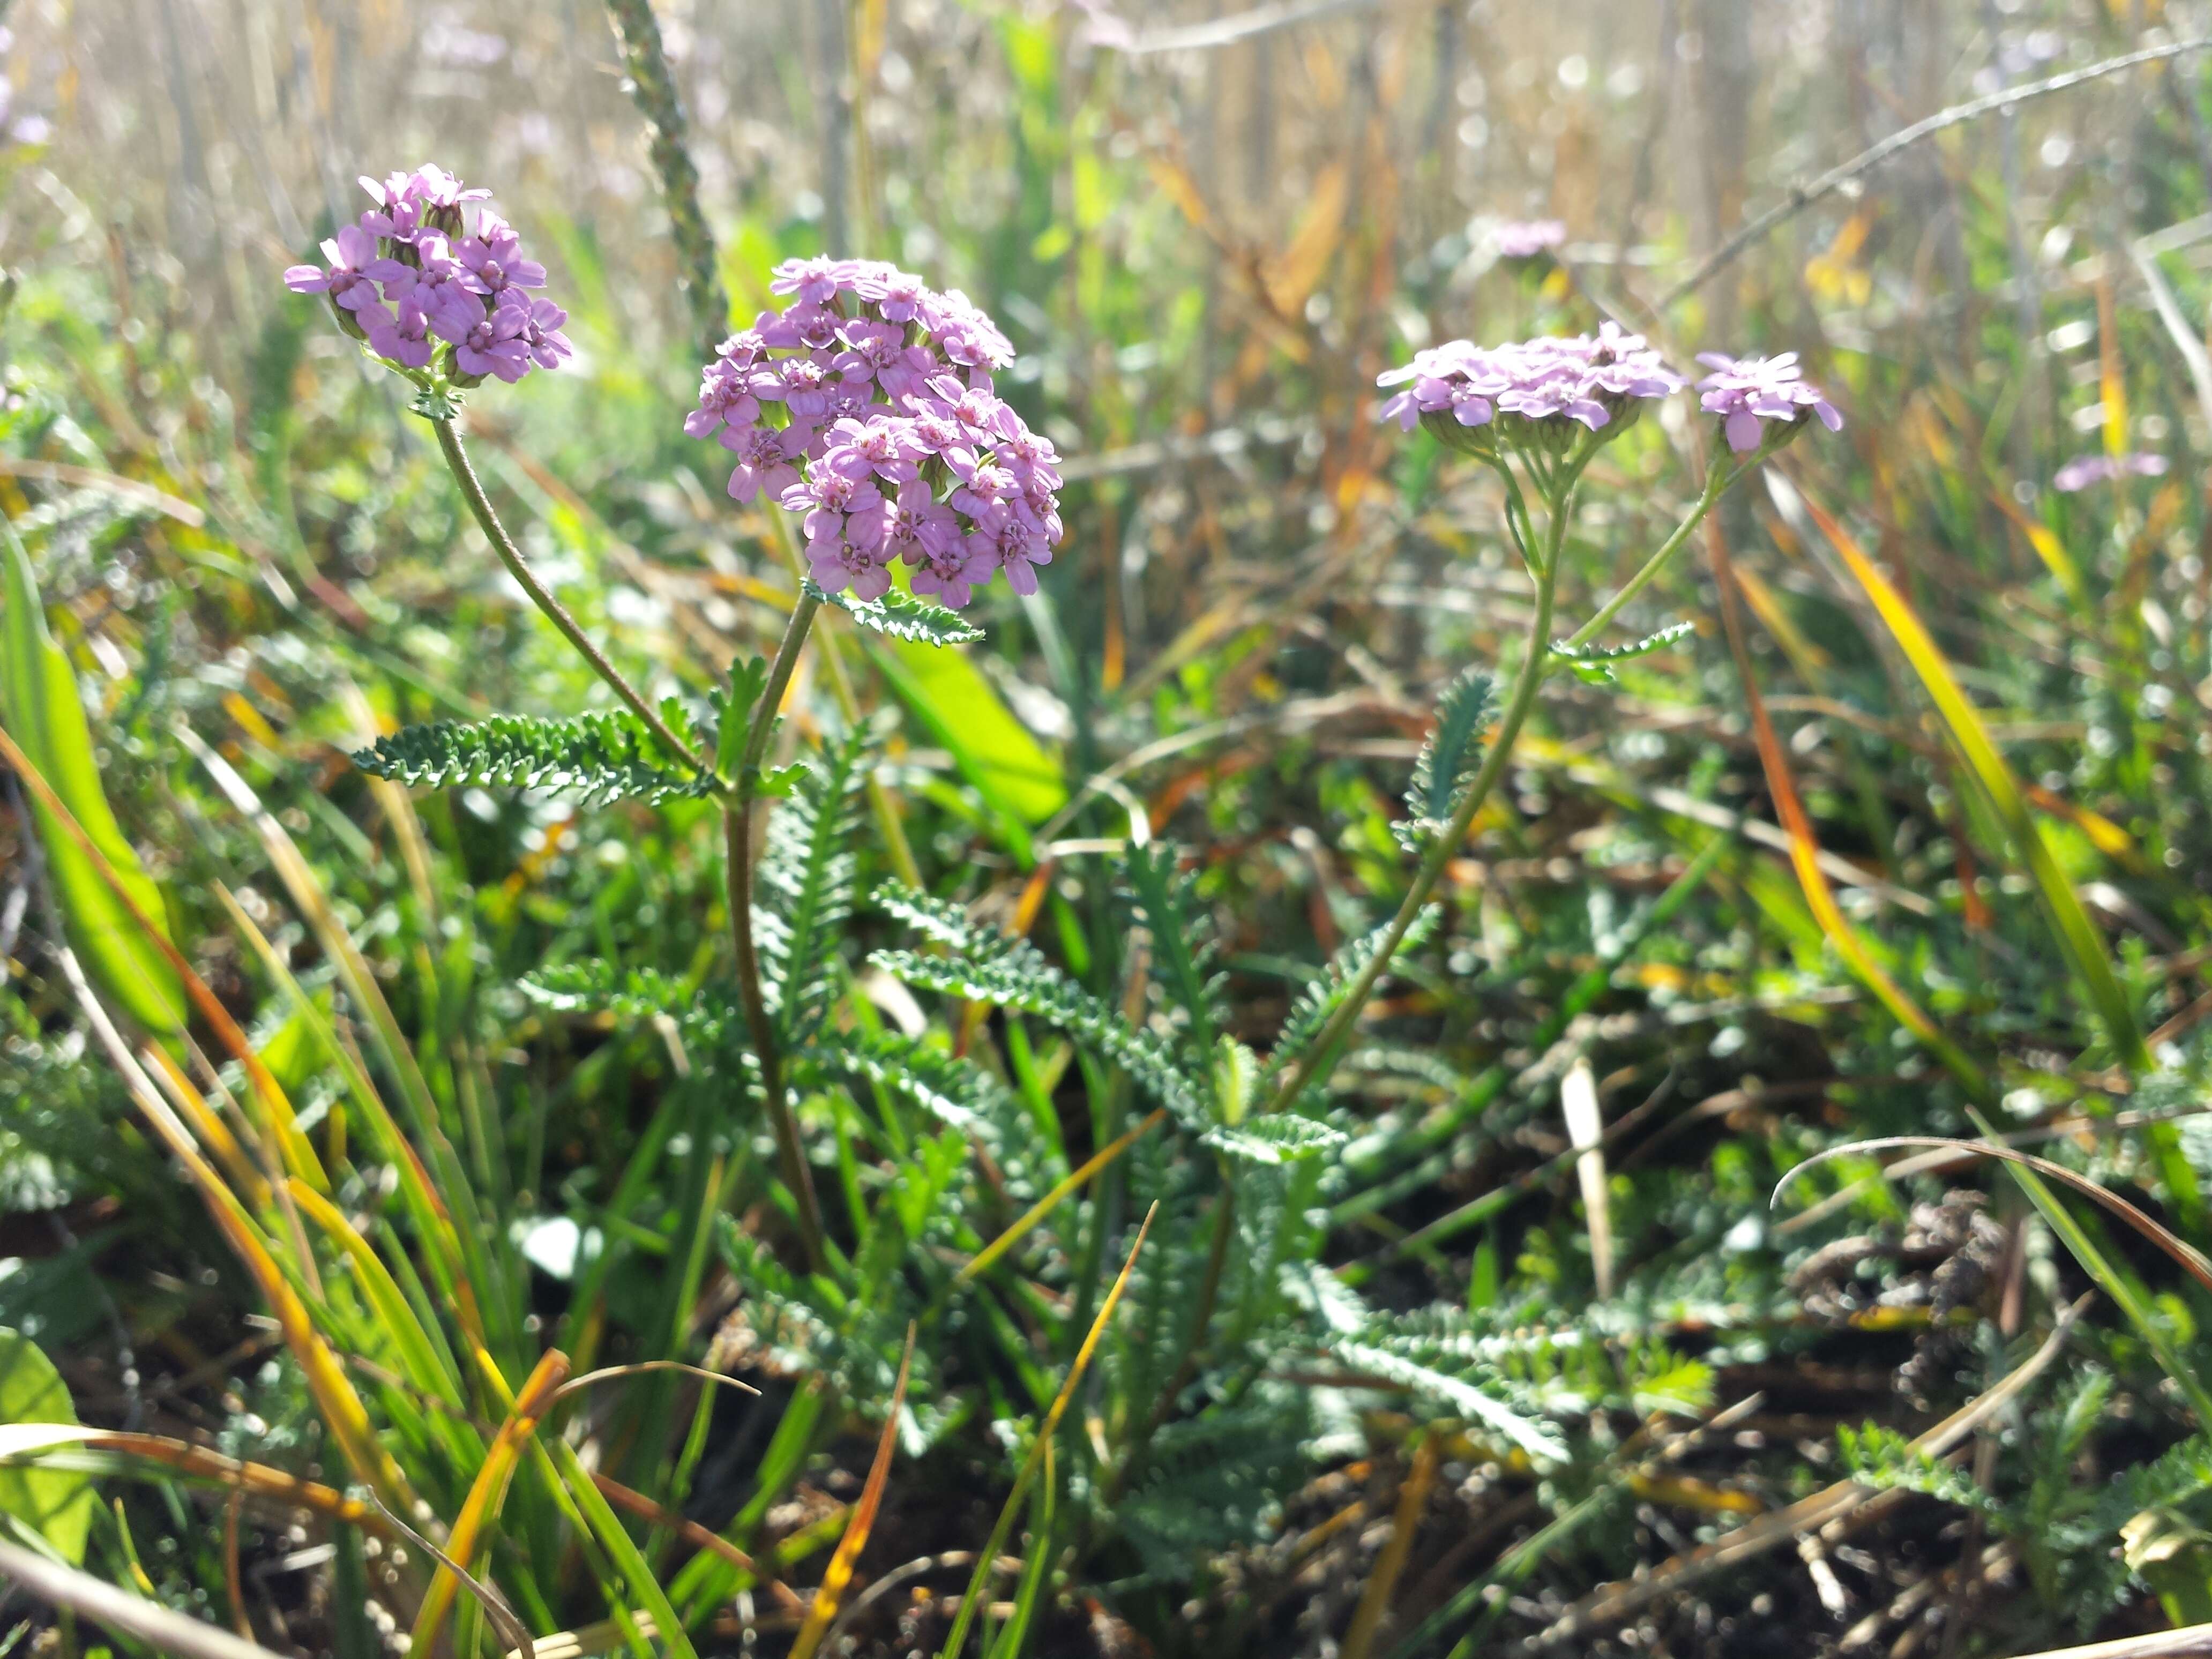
(411, 275)
(1525, 239)
(1745, 392)
(867, 406)
(1590, 378)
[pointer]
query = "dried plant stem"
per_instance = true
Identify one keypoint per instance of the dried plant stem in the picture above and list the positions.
(738, 838)
(1320, 1057)
(449, 442)
(698, 276)
(1802, 196)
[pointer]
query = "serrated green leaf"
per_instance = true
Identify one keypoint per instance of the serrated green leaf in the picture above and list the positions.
(1450, 756)
(1314, 1006)
(56, 1503)
(1236, 1079)
(903, 616)
(40, 703)
(1589, 654)
(1281, 1138)
(602, 757)
(747, 679)
(1470, 1401)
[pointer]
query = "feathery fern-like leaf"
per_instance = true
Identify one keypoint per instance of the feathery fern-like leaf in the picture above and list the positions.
(1591, 661)
(602, 757)
(808, 875)
(1167, 904)
(1452, 754)
(1281, 1138)
(991, 967)
(903, 616)
(1321, 998)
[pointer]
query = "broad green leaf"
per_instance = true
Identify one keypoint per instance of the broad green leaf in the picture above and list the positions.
(948, 694)
(39, 702)
(56, 1503)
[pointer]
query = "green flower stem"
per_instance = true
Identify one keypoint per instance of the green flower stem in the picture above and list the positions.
(1716, 484)
(1321, 1057)
(739, 839)
(449, 442)
(884, 809)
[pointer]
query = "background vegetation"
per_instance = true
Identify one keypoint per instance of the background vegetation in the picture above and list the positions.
(1520, 1358)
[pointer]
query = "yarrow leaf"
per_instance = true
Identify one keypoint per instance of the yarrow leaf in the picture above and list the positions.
(902, 616)
(994, 968)
(602, 757)
(1592, 664)
(1449, 758)
(1281, 1138)
(1312, 1010)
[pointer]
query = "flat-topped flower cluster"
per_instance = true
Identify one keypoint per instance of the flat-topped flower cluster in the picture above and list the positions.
(1600, 380)
(867, 406)
(1591, 378)
(416, 280)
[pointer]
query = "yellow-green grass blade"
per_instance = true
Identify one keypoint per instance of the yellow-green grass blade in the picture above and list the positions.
(2085, 951)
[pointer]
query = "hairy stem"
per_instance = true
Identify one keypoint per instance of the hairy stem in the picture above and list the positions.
(881, 806)
(1321, 1057)
(457, 458)
(738, 836)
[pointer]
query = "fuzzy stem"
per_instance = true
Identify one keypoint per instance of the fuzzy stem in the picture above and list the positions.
(891, 831)
(738, 819)
(449, 440)
(1320, 1057)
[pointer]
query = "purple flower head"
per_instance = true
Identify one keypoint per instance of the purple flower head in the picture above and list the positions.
(882, 447)
(897, 450)
(1747, 391)
(1599, 382)
(355, 271)
(401, 335)
(495, 346)
(724, 397)
(541, 330)
(2086, 470)
(764, 457)
(409, 271)
(493, 259)
(826, 498)
(815, 281)
(838, 564)
(1524, 238)
(409, 204)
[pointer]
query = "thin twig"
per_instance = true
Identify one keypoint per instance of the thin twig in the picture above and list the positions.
(1222, 30)
(1802, 196)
